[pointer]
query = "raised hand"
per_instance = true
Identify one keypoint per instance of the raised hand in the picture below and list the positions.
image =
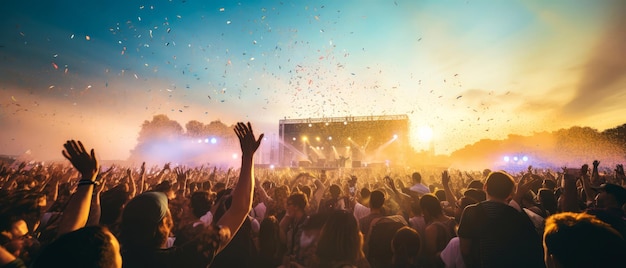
(523, 188)
(445, 178)
(249, 144)
(101, 187)
(181, 175)
(85, 163)
(596, 163)
(619, 169)
(389, 182)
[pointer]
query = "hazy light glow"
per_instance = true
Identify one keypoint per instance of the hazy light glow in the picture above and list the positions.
(425, 133)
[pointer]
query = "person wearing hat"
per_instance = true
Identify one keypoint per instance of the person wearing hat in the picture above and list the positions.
(147, 221)
(608, 206)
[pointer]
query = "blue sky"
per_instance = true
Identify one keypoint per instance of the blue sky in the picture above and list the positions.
(469, 70)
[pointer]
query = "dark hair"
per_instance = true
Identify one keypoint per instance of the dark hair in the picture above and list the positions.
(477, 194)
(377, 199)
(500, 184)
(89, 246)
(365, 193)
(406, 245)
(164, 187)
(298, 199)
(547, 200)
(417, 177)
(112, 203)
(206, 185)
(431, 205)
(340, 239)
(269, 240)
(475, 184)
(441, 195)
(201, 203)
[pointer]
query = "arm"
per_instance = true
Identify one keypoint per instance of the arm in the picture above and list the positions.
(142, 177)
(590, 193)
(242, 194)
(162, 172)
(523, 187)
(569, 202)
(131, 183)
(263, 196)
(181, 178)
(77, 211)
(595, 176)
(445, 180)
(95, 212)
(6, 257)
(619, 174)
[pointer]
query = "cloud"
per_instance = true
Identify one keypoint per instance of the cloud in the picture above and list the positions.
(604, 70)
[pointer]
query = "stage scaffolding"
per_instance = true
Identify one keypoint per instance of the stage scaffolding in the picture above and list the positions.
(349, 141)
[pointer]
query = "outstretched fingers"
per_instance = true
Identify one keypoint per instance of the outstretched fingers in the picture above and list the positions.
(246, 137)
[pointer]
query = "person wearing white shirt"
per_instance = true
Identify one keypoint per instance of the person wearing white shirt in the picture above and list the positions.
(418, 187)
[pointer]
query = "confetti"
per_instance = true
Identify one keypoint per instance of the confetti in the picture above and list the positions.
(55, 66)
(221, 9)
(13, 98)
(87, 37)
(169, 30)
(136, 77)
(228, 22)
(72, 36)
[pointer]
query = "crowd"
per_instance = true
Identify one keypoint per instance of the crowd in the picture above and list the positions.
(62, 215)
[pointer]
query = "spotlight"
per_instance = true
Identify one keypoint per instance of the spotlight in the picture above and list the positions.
(200, 141)
(235, 156)
(506, 159)
(525, 158)
(395, 136)
(310, 125)
(294, 139)
(213, 140)
(515, 158)
(206, 140)
(345, 122)
(330, 138)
